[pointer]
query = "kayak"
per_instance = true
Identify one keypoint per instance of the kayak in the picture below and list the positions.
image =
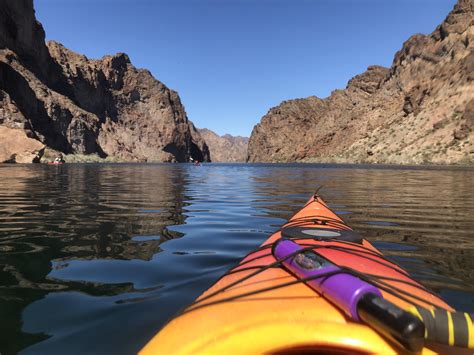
(316, 286)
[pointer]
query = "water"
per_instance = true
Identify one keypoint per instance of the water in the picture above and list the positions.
(96, 258)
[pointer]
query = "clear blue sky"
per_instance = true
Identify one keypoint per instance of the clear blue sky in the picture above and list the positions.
(232, 60)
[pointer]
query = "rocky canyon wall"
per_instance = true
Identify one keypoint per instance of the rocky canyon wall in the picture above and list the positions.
(226, 148)
(77, 105)
(421, 110)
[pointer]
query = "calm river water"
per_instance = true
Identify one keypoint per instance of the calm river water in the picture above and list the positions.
(96, 258)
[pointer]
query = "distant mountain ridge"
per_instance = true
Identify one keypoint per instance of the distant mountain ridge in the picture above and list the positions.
(76, 105)
(421, 110)
(226, 148)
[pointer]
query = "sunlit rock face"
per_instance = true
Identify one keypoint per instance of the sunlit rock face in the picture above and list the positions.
(226, 148)
(17, 147)
(421, 110)
(76, 105)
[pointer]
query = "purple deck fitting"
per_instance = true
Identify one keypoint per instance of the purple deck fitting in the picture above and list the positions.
(343, 289)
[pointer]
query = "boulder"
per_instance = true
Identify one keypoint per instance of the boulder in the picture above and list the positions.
(17, 147)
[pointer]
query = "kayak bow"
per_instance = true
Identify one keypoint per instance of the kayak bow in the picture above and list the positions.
(316, 285)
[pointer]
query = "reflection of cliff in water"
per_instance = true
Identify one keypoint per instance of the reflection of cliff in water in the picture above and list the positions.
(82, 212)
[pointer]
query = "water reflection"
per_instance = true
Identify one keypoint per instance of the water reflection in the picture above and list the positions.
(96, 258)
(51, 217)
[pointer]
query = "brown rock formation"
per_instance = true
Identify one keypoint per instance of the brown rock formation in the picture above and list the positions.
(76, 105)
(418, 111)
(226, 148)
(16, 147)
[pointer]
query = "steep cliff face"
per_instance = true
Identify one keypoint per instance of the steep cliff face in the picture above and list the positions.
(418, 111)
(21, 33)
(76, 105)
(226, 148)
(140, 118)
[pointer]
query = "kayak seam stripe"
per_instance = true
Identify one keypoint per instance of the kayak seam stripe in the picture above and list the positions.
(450, 329)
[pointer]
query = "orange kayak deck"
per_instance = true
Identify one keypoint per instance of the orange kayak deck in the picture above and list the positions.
(251, 309)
